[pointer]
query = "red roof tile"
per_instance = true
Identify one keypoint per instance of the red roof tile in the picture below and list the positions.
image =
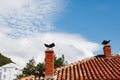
(95, 68)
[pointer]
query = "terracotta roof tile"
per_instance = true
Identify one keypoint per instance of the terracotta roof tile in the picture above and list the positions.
(95, 68)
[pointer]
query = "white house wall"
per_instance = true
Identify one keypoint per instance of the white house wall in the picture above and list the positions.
(9, 72)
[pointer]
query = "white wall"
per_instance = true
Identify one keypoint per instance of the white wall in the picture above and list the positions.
(9, 72)
(0, 73)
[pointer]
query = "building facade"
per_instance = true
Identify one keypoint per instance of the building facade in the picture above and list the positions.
(0, 73)
(9, 71)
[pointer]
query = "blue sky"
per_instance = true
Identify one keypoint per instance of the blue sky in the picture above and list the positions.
(76, 27)
(96, 20)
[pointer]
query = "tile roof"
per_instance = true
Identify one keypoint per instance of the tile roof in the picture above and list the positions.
(95, 68)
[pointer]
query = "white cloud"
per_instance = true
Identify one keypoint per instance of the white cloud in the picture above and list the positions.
(29, 18)
(25, 16)
(74, 47)
(6, 5)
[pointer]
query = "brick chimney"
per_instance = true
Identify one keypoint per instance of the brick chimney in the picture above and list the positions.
(107, 51)
(49, 64)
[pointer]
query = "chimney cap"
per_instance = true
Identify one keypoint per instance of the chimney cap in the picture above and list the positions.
(49, 46)
(105, 42)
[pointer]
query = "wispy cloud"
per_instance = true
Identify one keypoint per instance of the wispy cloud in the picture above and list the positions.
(29, 19)
(25, 16)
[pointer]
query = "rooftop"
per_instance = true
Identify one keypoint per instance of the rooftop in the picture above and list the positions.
(94, 68)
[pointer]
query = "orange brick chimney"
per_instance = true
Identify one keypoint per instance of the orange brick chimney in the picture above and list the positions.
(49, 65)
(49, 62)
(107, 51)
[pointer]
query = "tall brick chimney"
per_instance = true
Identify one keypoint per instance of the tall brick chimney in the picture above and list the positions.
(107, 51)
(49, 64)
